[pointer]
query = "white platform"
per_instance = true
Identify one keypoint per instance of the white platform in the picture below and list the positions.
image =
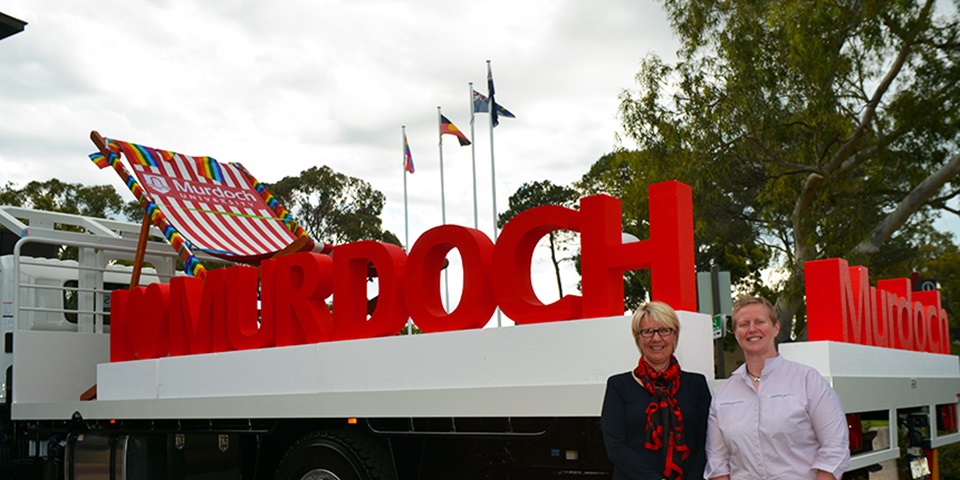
(554, 369)
(875, 378)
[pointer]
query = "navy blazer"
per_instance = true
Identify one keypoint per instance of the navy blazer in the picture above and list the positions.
(624, 419)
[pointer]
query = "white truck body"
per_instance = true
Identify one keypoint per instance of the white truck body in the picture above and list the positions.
(556, 369)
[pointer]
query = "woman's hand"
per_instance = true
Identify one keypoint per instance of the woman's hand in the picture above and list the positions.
(823, 475)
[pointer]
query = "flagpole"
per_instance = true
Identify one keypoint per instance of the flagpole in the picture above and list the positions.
(406, 218)
(473, 158)
(493, 171)
(443, 201)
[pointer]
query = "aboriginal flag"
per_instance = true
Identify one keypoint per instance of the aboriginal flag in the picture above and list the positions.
(448, 128)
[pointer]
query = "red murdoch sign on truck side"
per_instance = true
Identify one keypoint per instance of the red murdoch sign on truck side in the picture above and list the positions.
(842, 306)
(189, 316)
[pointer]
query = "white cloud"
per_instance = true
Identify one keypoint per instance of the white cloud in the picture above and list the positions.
(283, 86)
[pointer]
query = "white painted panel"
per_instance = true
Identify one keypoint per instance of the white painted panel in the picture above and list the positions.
(56, 366)
(127, 380)
(851, 360)
(582, 352)
(268, 371)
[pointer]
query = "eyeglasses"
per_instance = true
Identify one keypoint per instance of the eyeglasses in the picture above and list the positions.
(664, 332)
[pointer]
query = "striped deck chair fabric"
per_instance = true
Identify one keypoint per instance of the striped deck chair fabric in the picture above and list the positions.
(203, 205)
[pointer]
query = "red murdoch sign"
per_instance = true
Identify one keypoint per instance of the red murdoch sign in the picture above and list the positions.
(844, 307)
(188, 316)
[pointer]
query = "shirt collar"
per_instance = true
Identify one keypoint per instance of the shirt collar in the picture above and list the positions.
(769, 365)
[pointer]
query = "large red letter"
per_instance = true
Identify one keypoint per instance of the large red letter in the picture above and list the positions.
(934, 328)
(150, 333)
(189, 333)
(351, 263)
(295, 289)
(244, 332)
(879, 324)
(422, 288)
(839, 304)
(512, 257)
(213, 307)
(668, 253)
(900, 312)
(824, 289)
(120, 348)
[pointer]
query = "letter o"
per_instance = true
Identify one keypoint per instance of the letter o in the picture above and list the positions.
(424, 264)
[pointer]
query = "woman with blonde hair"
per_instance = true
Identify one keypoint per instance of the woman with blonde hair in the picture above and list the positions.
(654, 417)
(773, 418)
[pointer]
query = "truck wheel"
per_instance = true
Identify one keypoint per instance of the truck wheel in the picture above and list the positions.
(336, 455)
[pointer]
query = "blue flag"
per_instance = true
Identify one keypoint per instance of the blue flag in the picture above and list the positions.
(481, 104)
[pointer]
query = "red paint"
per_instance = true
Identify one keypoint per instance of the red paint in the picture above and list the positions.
(511, 262)
(350, 269)
(189, 317)
(188, 334)
(422, 284)
(293, 291)
(843, 307)
(244, 330)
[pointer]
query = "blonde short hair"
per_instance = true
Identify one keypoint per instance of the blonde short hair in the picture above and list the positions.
(744, 300)
(658, 311)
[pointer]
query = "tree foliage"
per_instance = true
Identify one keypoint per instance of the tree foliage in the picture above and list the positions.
(722, 231)
(53, 195)
(828, 128)
(56, 196)
(334, 207)
(537, 194)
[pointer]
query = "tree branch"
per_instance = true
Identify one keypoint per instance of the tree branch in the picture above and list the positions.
(914, 200)
(870, 112)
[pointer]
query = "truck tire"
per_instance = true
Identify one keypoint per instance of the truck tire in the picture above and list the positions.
(336, 455)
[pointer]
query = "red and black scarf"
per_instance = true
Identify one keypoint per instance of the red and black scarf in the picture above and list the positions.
(663, 416)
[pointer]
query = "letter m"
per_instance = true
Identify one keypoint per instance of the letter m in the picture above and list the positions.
(838, 301)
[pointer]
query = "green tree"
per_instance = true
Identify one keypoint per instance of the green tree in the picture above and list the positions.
(57, 196)
(722, 230)
(537, 194)
(830, 125)
(334, 207)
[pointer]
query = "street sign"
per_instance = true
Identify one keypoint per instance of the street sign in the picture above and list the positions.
(718, 325)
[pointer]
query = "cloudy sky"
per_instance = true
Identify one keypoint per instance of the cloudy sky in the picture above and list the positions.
(282, 86)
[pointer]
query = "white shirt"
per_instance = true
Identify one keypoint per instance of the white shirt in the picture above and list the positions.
(789, 428)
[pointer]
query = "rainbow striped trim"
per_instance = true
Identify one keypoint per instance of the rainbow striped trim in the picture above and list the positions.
(146, 156)
(191, 263)
(209, 167)
(103, 162)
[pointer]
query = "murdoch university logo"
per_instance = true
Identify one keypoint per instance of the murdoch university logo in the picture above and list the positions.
(157, 183)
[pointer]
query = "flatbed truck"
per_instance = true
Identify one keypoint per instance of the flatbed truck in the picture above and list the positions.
(520, 401)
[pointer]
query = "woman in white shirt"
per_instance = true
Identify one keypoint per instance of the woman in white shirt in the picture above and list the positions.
(773, 418)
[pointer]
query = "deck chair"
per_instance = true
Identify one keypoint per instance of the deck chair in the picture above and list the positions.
(202, 205)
